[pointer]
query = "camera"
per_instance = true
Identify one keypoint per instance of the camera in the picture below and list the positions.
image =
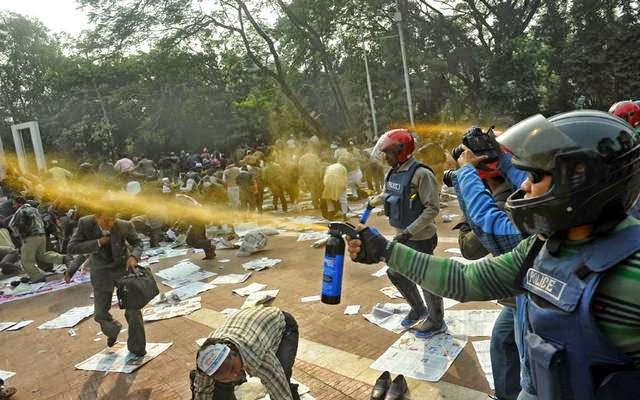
(481, 143)
(447, 178)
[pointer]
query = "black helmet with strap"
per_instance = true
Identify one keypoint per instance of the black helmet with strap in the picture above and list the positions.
(594, 159)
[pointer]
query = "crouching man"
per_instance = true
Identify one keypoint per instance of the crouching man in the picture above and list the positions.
(259, 341)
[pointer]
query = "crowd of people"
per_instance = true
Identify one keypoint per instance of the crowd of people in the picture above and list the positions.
(549, 211)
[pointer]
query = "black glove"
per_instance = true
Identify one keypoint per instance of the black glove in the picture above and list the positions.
(373, 248)
(403, 237)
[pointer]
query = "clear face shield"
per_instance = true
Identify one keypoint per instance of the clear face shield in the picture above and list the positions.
(535, 142)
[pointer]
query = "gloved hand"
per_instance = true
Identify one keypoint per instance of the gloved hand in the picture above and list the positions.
(369, 248)
(403, 237)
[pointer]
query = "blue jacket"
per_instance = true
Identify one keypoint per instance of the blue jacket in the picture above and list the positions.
(491, 224)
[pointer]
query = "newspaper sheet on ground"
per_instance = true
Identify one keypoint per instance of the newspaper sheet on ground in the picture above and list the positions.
(20, 325)
(68, 319)
(352, 309)
(381, 272)
(260, 264)
(231, 279)
(424, 359)
(247, 290)
(261, 297)
(471, 322)
(388, 316)
(118, 358)
(453, 250)
(309, 299)
(229, 312)
(179, 271)
(482, 351)
(183, 292)
(392, 292)
(6, 325)
(449, 302)
(253, 389)
(170, 310)
(312, 236)
(4, 375)
(169, 253)
(9, 294)
(194, 277)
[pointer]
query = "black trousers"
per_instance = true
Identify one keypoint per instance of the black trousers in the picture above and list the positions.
(286, 354)
(409, 289)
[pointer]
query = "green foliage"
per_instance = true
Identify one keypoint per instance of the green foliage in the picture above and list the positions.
(159, 76)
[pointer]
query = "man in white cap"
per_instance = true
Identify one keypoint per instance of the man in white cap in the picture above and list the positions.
(259, 341)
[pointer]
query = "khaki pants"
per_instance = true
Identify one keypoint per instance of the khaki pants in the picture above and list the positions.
(33, 251)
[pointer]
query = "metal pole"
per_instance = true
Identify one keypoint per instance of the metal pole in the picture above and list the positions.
(398, 19)
(371, 101)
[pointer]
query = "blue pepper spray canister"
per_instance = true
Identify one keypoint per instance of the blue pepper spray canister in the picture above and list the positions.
(332, 268)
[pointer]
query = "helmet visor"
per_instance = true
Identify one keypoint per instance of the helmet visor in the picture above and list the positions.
(535, 142)
(384, 143)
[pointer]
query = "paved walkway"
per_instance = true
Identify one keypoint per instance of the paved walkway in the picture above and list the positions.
(335, 349)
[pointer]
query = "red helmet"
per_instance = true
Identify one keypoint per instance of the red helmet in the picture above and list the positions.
(399, 141)
(627, 110)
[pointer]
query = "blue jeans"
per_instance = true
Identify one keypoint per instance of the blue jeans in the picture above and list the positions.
(505, 361)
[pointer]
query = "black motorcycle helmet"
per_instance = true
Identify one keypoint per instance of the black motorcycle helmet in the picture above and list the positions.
(594, 159)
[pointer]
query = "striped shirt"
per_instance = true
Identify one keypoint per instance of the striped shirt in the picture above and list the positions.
(616, 304)
(256, 332)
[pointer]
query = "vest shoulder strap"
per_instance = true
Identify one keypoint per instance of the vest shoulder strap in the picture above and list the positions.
(609, 251)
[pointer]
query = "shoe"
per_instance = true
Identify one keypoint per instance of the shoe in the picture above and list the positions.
(139, 355)
(209, 254)
(429, 329)
(381, 386)
(111, 340)
(7, 392)
(413, 317)
(397, 389)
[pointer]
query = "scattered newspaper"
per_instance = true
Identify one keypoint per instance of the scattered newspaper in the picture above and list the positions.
(471, 322)
(4, 375)
(229, 312)
(20, 325)
(312, 236)
(231, 279)
(310, 299)
(388, 316)
(6, 325)
(118, 358)
(424, 359)
(183, 292)
(381, 272)
(482, 351)
(261, 297)
(68, 319)
(449, 302)
(8, 294)
(247, 290)
(352, 309)
(261, 263)
(392, 292)
(174, 253)
(178, 271)
(194, 277)
(170, 310)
